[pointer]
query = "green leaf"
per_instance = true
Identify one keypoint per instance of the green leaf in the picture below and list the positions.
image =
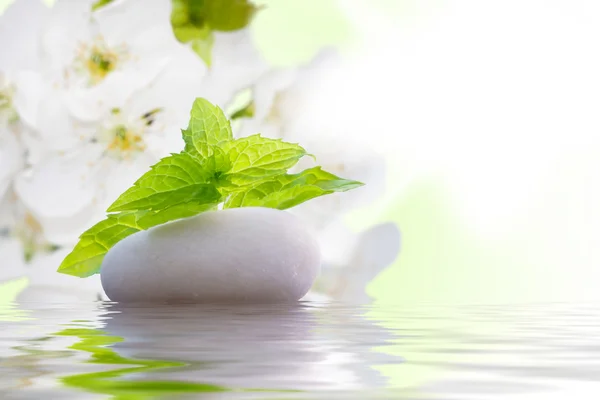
(174, 180)
(208, 127)
(250, 171)
(100, 3)
(203, 47)
(286, 191)
(255, 158)
(149, 219)
(228, 15)
(86, 258)
(217, 164)
(193, 21)
(188, 19)
(219, 15)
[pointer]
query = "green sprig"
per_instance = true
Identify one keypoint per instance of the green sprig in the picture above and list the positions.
(214, 168)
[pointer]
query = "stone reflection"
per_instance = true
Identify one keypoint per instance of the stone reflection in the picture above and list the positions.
(91, 349)
(292, 347)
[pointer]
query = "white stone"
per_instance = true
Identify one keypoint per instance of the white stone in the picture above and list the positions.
(242, 255)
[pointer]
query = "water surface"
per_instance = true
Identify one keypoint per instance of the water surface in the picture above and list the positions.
(302, 351)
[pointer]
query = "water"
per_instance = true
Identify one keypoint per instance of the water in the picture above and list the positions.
(304, 351)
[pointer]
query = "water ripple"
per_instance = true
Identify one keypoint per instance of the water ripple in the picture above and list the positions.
(301, 351)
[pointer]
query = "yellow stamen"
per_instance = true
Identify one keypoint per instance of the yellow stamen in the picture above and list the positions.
(97, 60)
(126, 141)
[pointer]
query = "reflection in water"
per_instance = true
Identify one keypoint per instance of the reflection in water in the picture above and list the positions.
(143, 352)
(536, 351)
(94, 341)
(288, 347)
(9, 311)
(303, 351)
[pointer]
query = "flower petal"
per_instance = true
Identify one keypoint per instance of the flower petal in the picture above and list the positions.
(65, 230)
(376, 249)
(236, 65)
(92, 104)
(175, 88)
(61, 185)
(336, 240)
(36, 148)
(144, 24)
(145, 29)
(268, 87)
(20, 33)
(68, 25)
(172, 92)
(62, 193)
(30, 89)
(124, 174)
(54, 124)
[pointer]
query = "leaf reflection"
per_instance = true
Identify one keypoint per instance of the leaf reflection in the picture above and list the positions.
(95, 342)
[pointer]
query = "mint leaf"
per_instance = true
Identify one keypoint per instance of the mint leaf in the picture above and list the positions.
(173, 180)
(286, 191)
(203, 47)
(208, 127)
(86, 257)
(255, 158)
(216, 165)
(135, 200)
(213, 167)
(147, 220)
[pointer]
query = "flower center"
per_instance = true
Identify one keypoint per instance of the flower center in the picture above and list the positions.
(123, 137)
(126, 140)
(96, 60)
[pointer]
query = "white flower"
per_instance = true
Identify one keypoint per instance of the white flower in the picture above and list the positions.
(236, 64)
(110, 153)
(20, 44)
(19, 52)
(115, 50)
(90, 61)
(121, 90)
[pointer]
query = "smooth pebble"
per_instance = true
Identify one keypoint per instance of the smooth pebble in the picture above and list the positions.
(240, 255)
